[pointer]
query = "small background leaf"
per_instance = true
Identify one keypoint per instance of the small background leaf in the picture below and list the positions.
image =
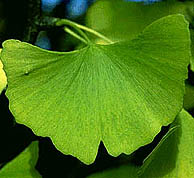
(23, 166)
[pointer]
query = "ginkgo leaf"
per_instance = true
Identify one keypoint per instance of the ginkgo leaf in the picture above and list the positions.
(120, 94)
(126, 171)
(23, 166)
(3, 79)
(175, 156)
(121, 20)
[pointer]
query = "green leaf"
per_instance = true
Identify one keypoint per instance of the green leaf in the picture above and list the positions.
(126, 171)
(3, 79)
(120, 94)
(175, 156)
(120, 20)
(23, 166)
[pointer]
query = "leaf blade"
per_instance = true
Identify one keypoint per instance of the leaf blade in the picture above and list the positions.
(111, 93)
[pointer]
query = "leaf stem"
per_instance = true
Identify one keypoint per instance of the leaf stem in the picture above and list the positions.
(68, 30)
(82, 34)
(71, 24)
(78, 26)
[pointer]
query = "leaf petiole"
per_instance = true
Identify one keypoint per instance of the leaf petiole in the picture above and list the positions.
(68, 30)
(78, 26)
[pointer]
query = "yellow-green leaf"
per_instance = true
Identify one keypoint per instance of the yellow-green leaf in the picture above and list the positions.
(120, 94)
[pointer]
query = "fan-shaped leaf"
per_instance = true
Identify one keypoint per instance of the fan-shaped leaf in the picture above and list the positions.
(120, 94)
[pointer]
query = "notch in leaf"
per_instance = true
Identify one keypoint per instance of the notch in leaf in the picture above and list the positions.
(176, 151)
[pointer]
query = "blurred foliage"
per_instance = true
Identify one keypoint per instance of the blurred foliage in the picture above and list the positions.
(125, 171)
(120, 20)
